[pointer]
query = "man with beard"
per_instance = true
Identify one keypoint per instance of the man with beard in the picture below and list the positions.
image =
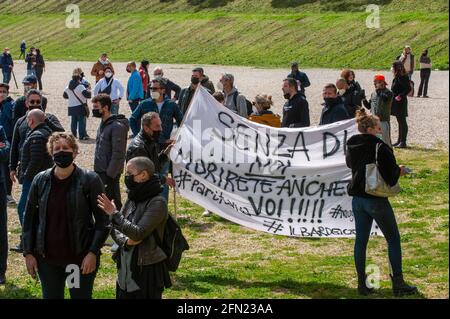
(333, 108)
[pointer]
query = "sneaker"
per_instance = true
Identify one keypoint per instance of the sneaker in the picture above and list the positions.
(206, 213)
(10, 200)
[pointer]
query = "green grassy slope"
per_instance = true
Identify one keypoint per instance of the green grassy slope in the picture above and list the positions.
(260, 33)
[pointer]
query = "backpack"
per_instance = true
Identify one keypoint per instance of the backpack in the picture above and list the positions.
(173, 243)
(249, 104)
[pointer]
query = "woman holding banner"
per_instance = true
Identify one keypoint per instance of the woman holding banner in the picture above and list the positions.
(367, 208)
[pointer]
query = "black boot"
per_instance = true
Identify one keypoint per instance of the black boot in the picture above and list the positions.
(401, 145)
(401, 288)
(396, 143)
(363, 290)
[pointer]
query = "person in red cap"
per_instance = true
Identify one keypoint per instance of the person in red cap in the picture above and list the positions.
(380, 103)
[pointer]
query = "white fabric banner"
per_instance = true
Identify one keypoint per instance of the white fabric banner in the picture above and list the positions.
(289, 182)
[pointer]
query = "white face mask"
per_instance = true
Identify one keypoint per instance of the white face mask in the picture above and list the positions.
(220, 86)
(7, 52)
(342, 91)
(155, 95)
(108, 74)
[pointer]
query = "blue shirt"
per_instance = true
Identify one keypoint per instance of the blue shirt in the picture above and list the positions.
(169, 112)
(135, 90)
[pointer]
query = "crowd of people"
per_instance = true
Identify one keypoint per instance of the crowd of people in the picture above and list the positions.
(67, 212)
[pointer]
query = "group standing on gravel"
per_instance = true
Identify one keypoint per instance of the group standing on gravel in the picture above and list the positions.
(35, 151)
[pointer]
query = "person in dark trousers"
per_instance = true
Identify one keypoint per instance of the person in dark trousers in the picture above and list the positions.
(39, 67)
(7, 65)
(4, 154)
(7, 122)
(145, 76)
(333, 106)
(135, 91)
(425, 72)
(141, 267)
(296, 109)
(366, 208)
(30, 59)
(20, 108)
(146, 144)
(171, 87)
(301, 77)
(63, 225)
(110, 147)
(380, 104)
(20, 135)
(77, 95)
(400, 88)
(23, 49)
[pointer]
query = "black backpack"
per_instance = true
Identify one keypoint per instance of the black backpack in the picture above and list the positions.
(249, 104)
(173, 243)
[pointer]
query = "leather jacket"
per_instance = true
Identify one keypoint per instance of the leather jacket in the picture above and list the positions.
(89, 226)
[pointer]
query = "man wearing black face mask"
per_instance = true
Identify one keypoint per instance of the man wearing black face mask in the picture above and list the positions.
(296, 109)
(110, 148)
(146, 144)
(333, 108)
(34, 156)
(187, 94)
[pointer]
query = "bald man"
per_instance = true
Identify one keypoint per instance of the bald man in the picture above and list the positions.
(34, 157)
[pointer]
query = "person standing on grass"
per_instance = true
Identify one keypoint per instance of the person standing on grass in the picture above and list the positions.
(112, 87)
(138, 227)
(77, 96)
(145, 76)
(380, 104)
(400, 88)
(99, 68)
(171, 87)
(296, 109)
(425, 72)
(333, 107)
(7, 65)
(110, 147)
(301, 77)
(23, 49)
(4, 155)
(63, 224)
(135, 91)
(7, 122)
(361, 150)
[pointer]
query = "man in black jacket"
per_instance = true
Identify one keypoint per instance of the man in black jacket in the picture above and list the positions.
(4, 150)
(170, 86)
(20, 107)
(333, 108)
(146, 144)
(111, 146)
(296, 109)
(350, 96)
(34, 156)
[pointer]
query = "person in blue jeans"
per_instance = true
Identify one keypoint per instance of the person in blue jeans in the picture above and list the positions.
(4, 155)
(361, 150)
(168, 112)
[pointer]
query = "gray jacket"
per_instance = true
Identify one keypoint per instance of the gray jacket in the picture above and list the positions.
(237, 104)
(111, 146)
(149, 216)
(380, 104)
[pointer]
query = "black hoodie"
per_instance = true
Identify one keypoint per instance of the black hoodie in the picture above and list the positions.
(361, 151)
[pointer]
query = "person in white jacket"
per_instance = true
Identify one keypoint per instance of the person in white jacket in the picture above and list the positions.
(111, 86)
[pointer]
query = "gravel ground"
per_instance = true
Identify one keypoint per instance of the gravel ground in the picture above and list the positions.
(428, 121)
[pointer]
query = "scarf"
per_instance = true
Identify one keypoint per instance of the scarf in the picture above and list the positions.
(146, 190)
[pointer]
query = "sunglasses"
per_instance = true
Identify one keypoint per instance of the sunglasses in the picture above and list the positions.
(155, 89)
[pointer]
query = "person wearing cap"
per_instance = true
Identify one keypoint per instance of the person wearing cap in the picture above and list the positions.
(380, 104)
(20, 108)
(7, 65)
(300, 77)
(99, 68)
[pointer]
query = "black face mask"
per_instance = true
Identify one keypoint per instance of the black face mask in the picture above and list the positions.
(96, 113)
(130, 183)
(330, 100)
(156, 135)
(63, 159)
(195, 80)
(128, 70)
(138, 192)
(287, 96)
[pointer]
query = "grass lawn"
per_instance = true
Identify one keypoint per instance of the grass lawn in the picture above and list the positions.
(230, 261)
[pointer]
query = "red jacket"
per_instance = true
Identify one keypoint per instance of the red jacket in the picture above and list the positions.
(145, 78)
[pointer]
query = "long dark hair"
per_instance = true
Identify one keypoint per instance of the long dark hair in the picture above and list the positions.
(145, 64)
(398, 68)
